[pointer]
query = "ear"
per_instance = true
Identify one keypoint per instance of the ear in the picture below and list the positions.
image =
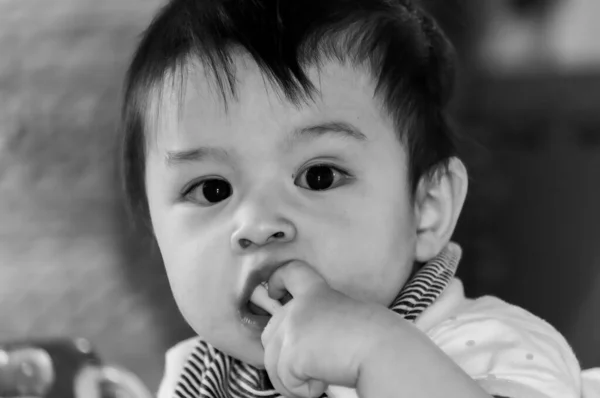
(438, 202)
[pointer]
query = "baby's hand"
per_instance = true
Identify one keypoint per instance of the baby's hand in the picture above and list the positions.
(320, 337)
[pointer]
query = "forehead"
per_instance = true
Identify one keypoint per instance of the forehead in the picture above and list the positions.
(197, 107)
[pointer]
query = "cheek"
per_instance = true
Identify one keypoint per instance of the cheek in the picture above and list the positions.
(195, 254)
(372, 259)
(197, 266)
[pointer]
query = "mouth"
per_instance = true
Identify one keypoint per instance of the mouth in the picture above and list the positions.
(255, 306)
(257, 310)
(256, 314)
(264, 306)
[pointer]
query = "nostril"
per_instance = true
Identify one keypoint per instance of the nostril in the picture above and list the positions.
(244, 243)
(278, 235)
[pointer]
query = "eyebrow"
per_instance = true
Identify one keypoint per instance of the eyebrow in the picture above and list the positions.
(339, 129)
(174, 158)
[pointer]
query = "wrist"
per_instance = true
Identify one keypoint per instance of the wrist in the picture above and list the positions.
(389, 333)
(380, 371)
(404, 361)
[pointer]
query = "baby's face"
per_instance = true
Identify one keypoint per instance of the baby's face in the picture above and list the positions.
(234, 194)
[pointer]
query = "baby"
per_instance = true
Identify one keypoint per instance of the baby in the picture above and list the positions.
(299, 149)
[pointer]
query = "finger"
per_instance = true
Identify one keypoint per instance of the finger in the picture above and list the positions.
(296, 277)
(298, 384)
(317, 388)
(307, 389)
(272, 328)
(260, 297)
(271, 361)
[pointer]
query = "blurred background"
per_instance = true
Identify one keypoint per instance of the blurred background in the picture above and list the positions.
(527, 104)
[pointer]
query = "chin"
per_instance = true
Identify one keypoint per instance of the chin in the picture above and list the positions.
(252, 354)
(247, 349)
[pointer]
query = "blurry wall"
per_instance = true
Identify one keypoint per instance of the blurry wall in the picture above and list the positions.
(536, 199)
(547, 34)
(70, 265)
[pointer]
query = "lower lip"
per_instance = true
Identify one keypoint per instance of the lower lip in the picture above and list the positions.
(252, 321)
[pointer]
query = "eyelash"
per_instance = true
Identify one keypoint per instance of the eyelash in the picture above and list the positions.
(189, 188)
(338, 169)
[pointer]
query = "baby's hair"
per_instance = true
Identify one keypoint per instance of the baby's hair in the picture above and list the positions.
(399, 44)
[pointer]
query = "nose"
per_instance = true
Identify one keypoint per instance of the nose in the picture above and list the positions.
(259, 228)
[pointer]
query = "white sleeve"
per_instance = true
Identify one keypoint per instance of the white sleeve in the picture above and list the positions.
(175, 360)
(508, 351)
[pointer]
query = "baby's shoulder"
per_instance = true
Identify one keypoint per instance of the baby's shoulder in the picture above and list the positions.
(495, 322)
(487, 311)
(493, 307)
(505, 347)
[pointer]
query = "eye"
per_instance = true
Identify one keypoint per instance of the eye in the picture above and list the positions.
(321, 177)
(208, 192)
